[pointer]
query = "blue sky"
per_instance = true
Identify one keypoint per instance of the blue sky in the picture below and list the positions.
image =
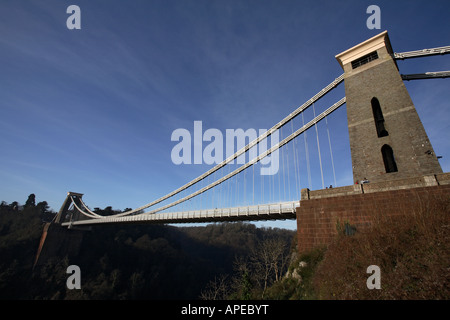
(93, 110)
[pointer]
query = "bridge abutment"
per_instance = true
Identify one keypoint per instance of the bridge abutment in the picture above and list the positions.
(323, 212)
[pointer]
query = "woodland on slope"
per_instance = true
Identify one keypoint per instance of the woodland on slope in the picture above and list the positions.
(229, 260)
(134, 262)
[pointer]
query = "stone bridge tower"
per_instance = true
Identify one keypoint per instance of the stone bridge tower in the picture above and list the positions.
(387, 138)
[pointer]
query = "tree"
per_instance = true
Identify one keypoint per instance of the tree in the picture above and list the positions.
(269, 260)
(14, 205)
(242, 283)
(136, 284)
(216, 289)
(31, 201)
(43, 207)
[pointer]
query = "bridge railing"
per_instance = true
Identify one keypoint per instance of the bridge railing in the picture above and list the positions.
(283, 210)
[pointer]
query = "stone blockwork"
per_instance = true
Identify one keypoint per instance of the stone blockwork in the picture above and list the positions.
(321, 211)
(404, 134)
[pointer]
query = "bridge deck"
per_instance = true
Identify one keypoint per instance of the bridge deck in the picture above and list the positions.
(276, 211)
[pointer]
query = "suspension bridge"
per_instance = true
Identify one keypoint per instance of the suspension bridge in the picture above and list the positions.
(231, 192)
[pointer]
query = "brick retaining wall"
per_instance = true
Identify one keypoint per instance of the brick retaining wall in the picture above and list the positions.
(318, 216)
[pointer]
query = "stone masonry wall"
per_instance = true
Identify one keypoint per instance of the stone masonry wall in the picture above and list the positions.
(413, 152)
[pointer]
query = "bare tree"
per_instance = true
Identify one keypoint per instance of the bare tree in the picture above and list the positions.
(216, 289)
(269, 261)
(279, 256)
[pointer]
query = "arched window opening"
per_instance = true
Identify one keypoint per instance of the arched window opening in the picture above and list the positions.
(388, 158)
(379, 119)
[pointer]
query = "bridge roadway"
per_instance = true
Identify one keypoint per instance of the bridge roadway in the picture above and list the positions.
(273, 211)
